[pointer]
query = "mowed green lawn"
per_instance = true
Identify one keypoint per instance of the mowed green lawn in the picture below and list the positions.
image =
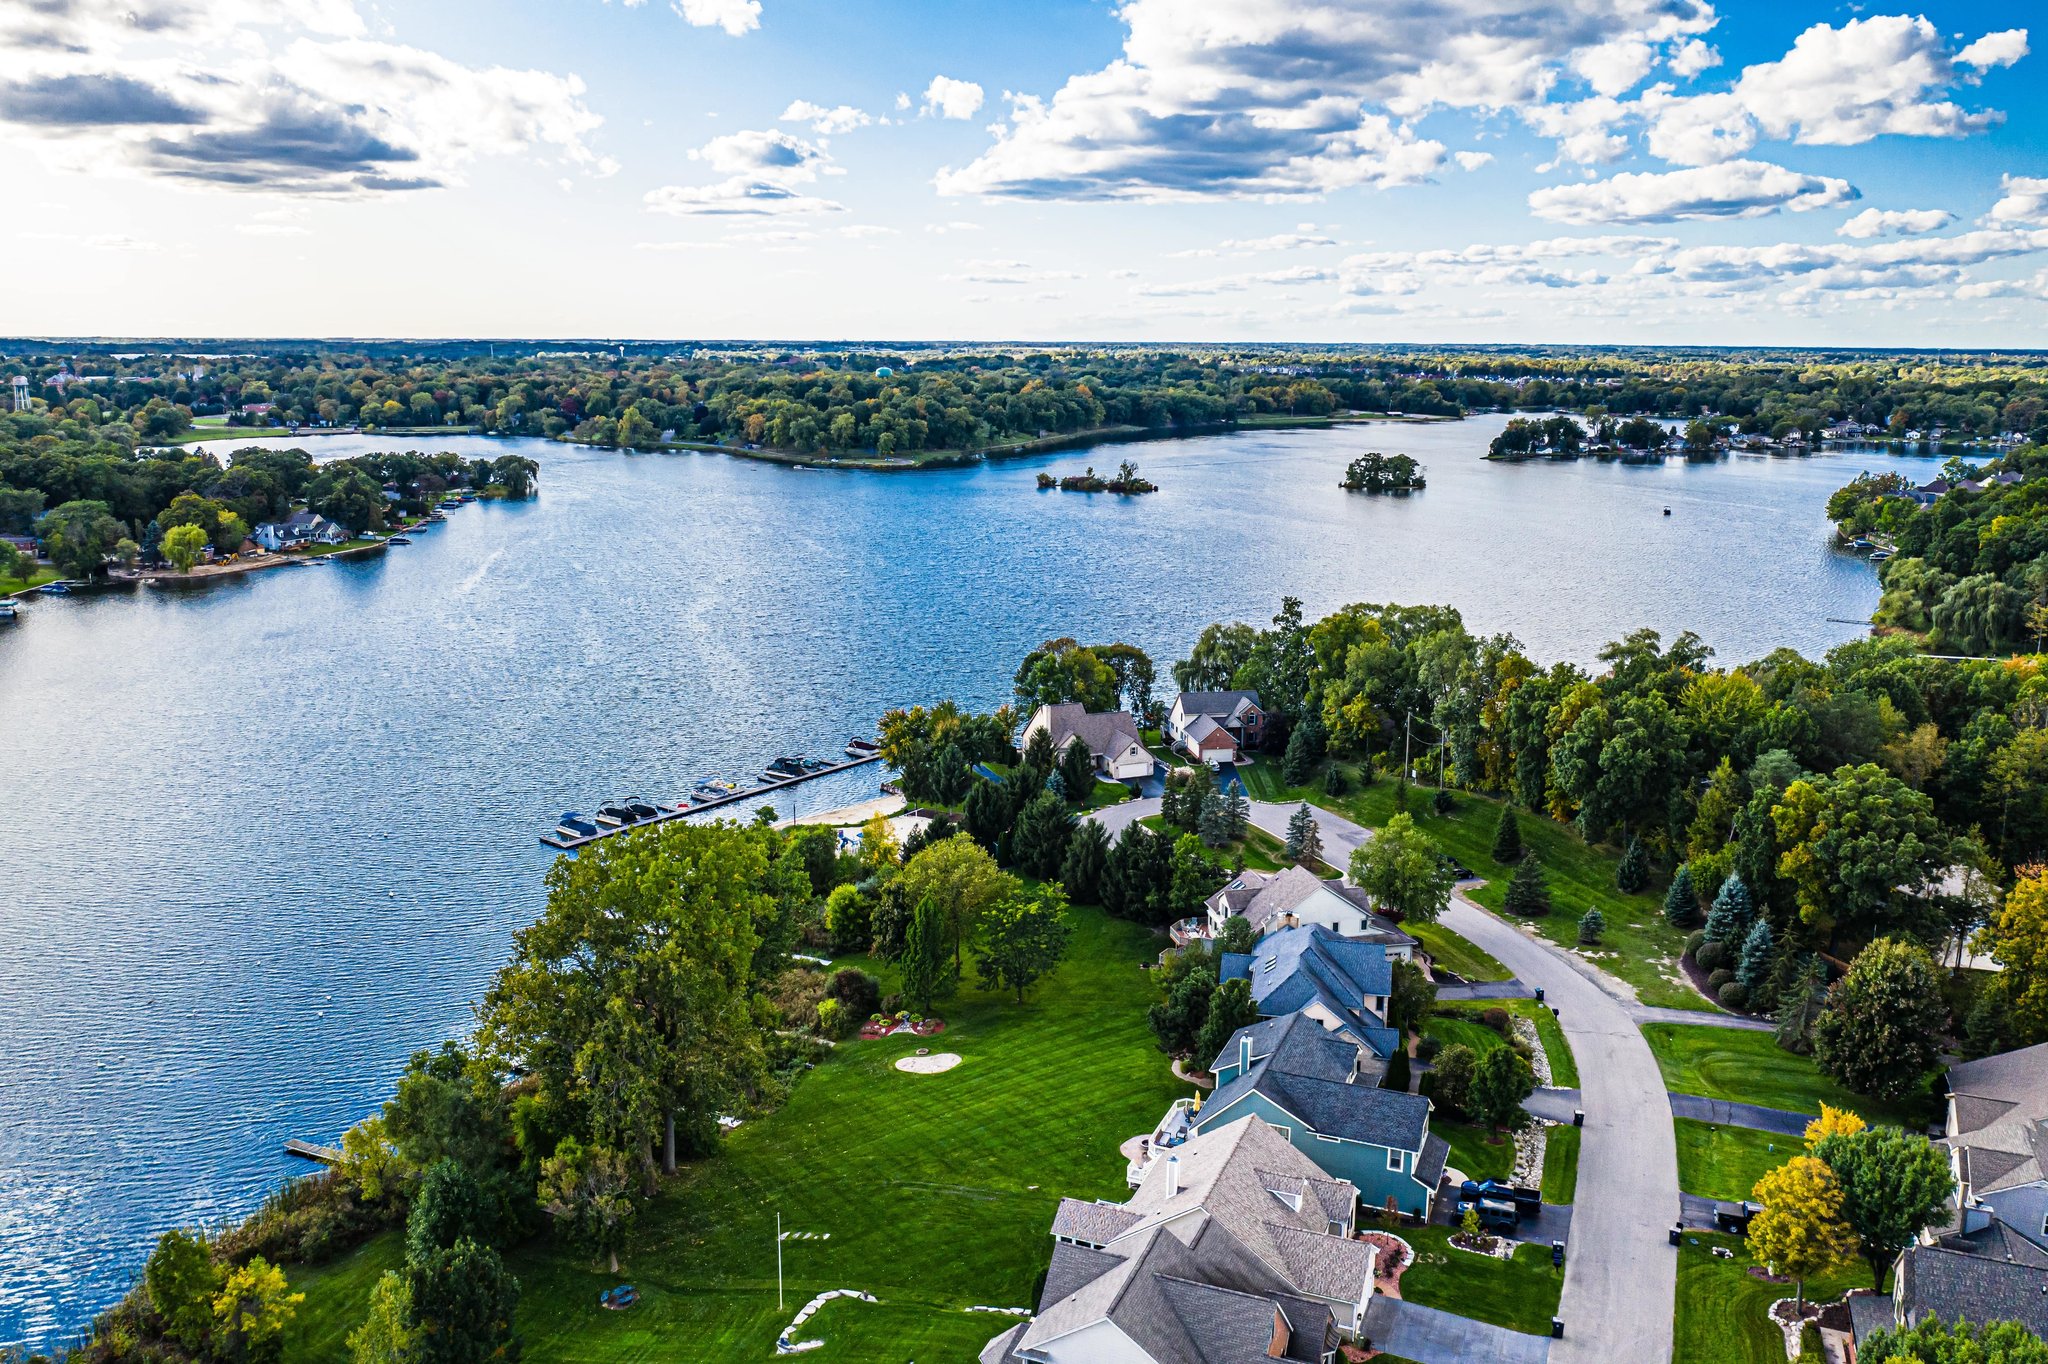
(1520, 1294)
(1718, 1161)
(1645, 947)
(1720, 1317)
(937, 1191)
(1750, 1067)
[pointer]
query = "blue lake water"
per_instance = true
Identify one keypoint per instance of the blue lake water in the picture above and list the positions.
(272, 836)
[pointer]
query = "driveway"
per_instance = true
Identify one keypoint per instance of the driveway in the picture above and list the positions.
(1620, 1277)
(1410, 1331)
(1643, 1013)
(1740, 1115)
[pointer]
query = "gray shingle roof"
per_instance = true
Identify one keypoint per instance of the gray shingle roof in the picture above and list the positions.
(1221, 704)
(1298, 1045)
(1429, 1168)
(1094, 1224)
(1101, 731)
(1383, 1117)
(1953, 1284)
(1297, 966)
(2001, 1117)
(1272, 893)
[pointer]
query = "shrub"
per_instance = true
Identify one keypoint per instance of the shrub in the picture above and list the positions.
(1427, 1047)
(1711, 956)
(1334, 783)
(1397, 1072)
(857, 991)
(1733, 995)
(1497, 1019)
(892, 1005)
(1717, 979)
(1443, 802)
(1692, 943)
(1591, 926)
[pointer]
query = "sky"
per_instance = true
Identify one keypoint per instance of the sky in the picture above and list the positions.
(1570, 171)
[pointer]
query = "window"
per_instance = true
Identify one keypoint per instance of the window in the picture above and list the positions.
(1394, 1160)
(1321, 1137)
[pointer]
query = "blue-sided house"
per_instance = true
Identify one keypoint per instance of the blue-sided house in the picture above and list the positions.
(1322, 1091)
(1341, 984)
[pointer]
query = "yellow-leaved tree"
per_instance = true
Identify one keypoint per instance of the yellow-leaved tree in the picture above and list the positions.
(1801, 1230)
(1832, 1122)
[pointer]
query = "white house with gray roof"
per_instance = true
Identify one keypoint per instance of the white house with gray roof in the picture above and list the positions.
(1295, 897)
(1996, 1132)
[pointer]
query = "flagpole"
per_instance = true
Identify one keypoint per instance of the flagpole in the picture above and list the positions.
(778, 1262)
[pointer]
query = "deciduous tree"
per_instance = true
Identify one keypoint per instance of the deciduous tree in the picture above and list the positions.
(1022, 940)
(1881, 1029)
(587, 1190)
(1404, 872)
(1893, 1183)
(463, 1301)
(1801, 1231)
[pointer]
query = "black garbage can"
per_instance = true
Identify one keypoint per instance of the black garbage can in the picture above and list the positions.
(1539, 994)
(1557, 1255)
(1557, 1328)
(1578, 1117)
(1677, 1231)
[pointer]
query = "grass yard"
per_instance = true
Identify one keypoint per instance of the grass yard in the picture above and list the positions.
(1460, 1023)
(1726, 1162)
(1454, 953)
(1520, 1294)
(42, 574)
(1561, 1164)
(1720, 1317)
(1453, 1028)
(1750, 1067)
(1564, 1067)
(938, 1191)
(1640, 947)
(1474, 1151)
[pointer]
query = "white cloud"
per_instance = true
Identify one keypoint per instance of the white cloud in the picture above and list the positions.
(949, 98)
(941, 229)
(739, 196)
(287, 220)
(1471, 161)
(826, 122)
(1895, 222)
(118, 241)
(734, 16)
(902, 99)
(2024, 200)
(766, 152)
(1584, 130)
(1224, 284)
(1733, 189)
(1614, 68)
(1691, 58)
(1009, 272)
(1295, 98)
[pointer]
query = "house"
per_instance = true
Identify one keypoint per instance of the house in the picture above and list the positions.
(1989, 1276)
(1110, 736)
(301, 527)
(1323, 1092)
(1341, 985)
(1234, 1248)
(1294, 897)
(1996, 1132)
(1215, 726)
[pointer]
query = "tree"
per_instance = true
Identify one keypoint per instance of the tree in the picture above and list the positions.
(1022, 940)
(1060, 670)
(1413, 997)
(1237, 936)
(1801, 1231)
(1304, 836)
(877, 853)
(448, 1207)
(1077, 772)
(371, 1162)
(1451, 1079)
(1507, 837)
(987, 815)
(1192, 877)
(1214, 824)
(1854, 844)
(183, 545)
(1759, 956)
(1404, 872)
(1528, 894)
(1231, 1007)
(385, 1337)
(1832, 1122)
(250, 1313)
(1734, 911)
(1186, 981)
(1893, 1184)
(78, 536)
(1500, 1081)
(1087, 861)
(1187, 789)
(1305, 747)
(962, 880)
(1931, 1342)
(586, 1190)
(1881, 1029)
(2018, 941)
(1039, 842)
(927, 975)
(1591, 925)
(181, 1280)
(463, 1301)
(1633, 875)
(14, 564)
(1800, 1006)
(1681, 906)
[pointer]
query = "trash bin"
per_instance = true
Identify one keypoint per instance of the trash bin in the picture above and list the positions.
(1539, 994)
(1578, 1117)
(1557, 1328)
(1557, 1254)
(1677, 1231)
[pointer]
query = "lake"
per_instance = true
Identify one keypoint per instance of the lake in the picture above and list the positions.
(273, 836)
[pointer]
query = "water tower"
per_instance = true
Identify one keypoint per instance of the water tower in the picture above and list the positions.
(21, 393)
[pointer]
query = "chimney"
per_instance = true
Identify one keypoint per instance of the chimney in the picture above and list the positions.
(1172, 1176)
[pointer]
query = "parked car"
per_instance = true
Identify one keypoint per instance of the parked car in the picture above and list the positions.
(1528, 1201)
(1733, 1218)
(1495, 1214)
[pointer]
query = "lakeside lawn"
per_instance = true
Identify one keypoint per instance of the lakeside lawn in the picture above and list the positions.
(1561, 1164)
(1520, 1294)
(1639, 946)
(44, 574)
(1750, 1067)
(938, 1191)
(1718, 1161)
(1720, 1317)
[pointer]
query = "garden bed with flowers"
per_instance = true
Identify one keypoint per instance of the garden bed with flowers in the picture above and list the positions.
(907, 1024)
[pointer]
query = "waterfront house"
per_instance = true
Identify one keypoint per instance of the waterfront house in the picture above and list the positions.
(1234, 1247)
(302, 527)
(1295, 897)
(1996, 1133)
(1323, 1093)
(1110, 736)
(1341, 985)
(1216, 726)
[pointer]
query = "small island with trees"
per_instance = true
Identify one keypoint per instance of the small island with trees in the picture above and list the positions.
(1127, 482)
(1374, 472)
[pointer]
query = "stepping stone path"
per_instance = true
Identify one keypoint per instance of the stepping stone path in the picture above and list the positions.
(785, 1346)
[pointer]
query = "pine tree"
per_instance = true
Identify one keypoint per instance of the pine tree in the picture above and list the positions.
(1304, 836)
(925, 958)
(1215, 821)
(1633, 875)
(1039, 842)
(1507, 837)
(1759, 953)
(1304, 751)
(1680, 905)
(1528, 894)
(1591, 925)
(1237, 812)
(1799, 1007)
(1077, 772)
(1086, 862)
(1729, 920)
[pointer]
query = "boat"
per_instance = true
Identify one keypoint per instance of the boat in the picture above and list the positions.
(642, 810)
(1667, 511)
(56, 589)
(783, 768)
(861, 748)
(614, 816)
(815, 764)
(7, 610)
(400, 540)
(1878, 556)
(574, 825)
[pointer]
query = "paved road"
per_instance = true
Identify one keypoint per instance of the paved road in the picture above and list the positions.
(1340, 836)
(1409, 1331)
(1620, 1278)
(1740, 1115)
(1484, 989)
(1643, 1013)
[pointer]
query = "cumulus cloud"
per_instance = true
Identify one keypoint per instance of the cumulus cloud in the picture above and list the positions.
(1874, 269)
(765, 169)
(734, 16)
(2024, 200)
(1294, 98)
(1691, 58)
(949, 98)
(765, 152)
(826, 122)
(1895, 222)
(287, 96)
(1471, 161)
(1733, 189)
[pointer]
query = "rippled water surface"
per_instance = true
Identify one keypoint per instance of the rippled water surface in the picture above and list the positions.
(272, 836)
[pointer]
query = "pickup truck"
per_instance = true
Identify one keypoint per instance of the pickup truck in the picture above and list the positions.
(1528, 1202)
(1733, 1218)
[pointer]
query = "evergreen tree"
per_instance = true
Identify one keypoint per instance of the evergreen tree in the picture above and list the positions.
(1633, 875)
(1799, 1007)
(1528, 893)
(1177, 1019)
(1507, 837)
(1087, 863)
(462, 1303)
(987, 814)
(447, 1207)
(1304, 836)
(1334, 781)
(927, 964)
(1733, 912)
(1591, 925)
(1237, 936)
(1231, 1007)
(1040, 759)
(1039, 842)
(1215, 821)
(1304, 750)
(1192, 876)
(1882, 1027)
(1680, 907)
(1077, 772)
(1237, 812)
(1759, 954)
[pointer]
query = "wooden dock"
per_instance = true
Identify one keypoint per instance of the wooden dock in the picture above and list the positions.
(554, 839)
(309, 1150)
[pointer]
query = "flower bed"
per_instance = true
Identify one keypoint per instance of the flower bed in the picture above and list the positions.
(902, 1025)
